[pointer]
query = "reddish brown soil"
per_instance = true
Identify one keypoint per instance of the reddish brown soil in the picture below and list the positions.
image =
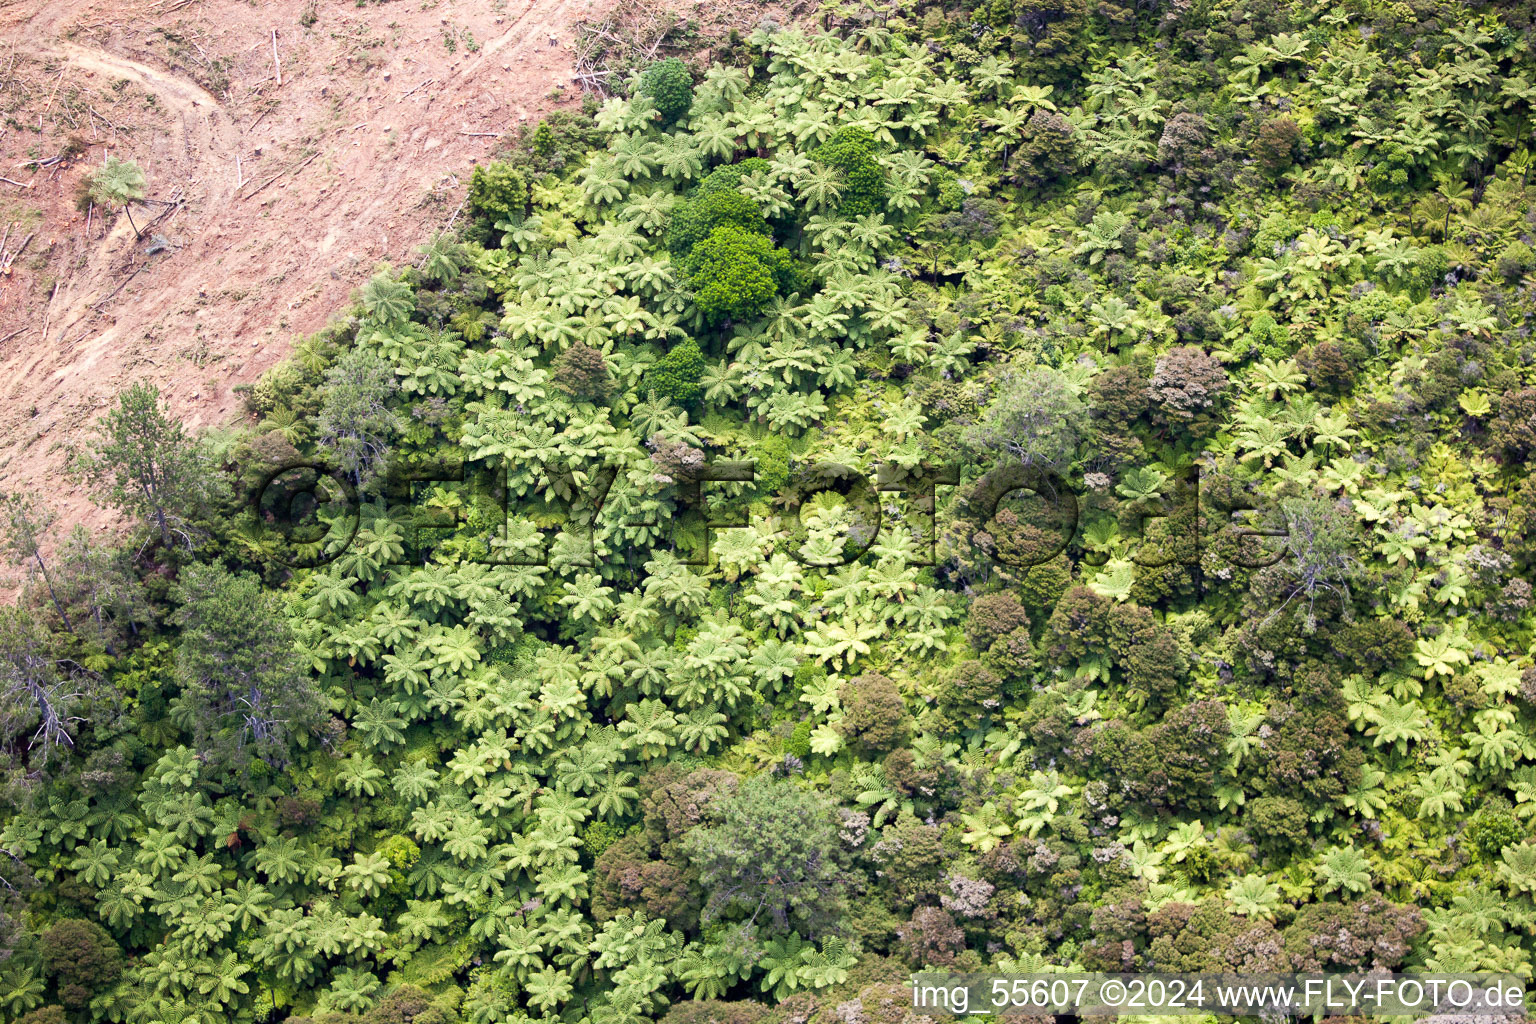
(358, 156)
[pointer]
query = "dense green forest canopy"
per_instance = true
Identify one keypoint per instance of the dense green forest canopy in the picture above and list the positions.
(605, 733)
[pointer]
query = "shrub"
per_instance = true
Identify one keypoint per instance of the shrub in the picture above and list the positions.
(1429, 269)
(675, 461)
(735, 273)
(728, 176)
(930, 939)
(1048, 150)
(1367, 933)
(497, 191)
(907, 776)
(772, 456)
(977, 220)
(629, 875)
(46, 1015)
(82, 959)
(581, 372)
(708, 209)
(1174, 764)
(993, 616)
(798, 745)
(1187, 382)
(1393, 170)
(296, 813)
(716, 1011)
(971, 685)
(851, 150)
(544, 143)
(1493, 828)
(408, 1004)
(600, 835)
(1272, 339)
(1516, 261)
(1277, 823)
(676, 374)
(1374, 644)
(875, 717)
(915, 862)
(1275, 147)
(670, 86)
(1329, 366)
(1182, 140)
(1041, 586)
(279, 386)
(678, 801)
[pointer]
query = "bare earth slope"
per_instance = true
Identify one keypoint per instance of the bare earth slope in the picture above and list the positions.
(270, 203)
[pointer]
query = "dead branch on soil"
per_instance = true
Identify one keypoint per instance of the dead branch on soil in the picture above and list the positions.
(269, 106)
(48, 312)
(55, 91)
(103, 300)
(45, 163)
(294, 169)
(423, 85)
(177, 201)
(109, 123)
(7, 257)
(8, 77)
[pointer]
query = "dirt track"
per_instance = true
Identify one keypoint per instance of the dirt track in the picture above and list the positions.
(356, 157)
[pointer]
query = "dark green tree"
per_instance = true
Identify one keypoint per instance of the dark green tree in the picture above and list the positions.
(774, 856)
(669, 85)
(851, 150)
(735, 273)
(676, 375)
(1321, 541)
(38, 690)
(97, 582)
(708, 209)
(143, 463)
(356, 420)
(82, 959)
(1034, 417)
(238, 668)
(23, 524)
